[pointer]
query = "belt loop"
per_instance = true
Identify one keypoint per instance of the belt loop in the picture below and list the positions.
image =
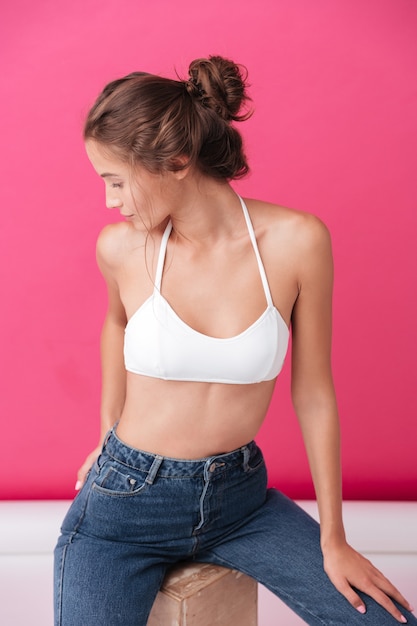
(207, 465)
(246, 456)
(110, 433)
(154, 469)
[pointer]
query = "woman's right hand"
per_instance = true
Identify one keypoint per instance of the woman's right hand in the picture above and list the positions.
(86, 466)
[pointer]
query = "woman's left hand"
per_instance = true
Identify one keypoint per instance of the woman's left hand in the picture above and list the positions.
(346, 568)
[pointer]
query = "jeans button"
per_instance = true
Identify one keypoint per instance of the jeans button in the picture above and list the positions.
(212, 467)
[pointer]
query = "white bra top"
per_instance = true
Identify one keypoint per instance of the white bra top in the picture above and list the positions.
(160, 344)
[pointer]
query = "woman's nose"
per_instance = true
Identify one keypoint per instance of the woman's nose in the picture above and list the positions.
(112, 201)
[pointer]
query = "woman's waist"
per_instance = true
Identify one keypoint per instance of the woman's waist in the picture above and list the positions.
(184, 436)
(191, 420)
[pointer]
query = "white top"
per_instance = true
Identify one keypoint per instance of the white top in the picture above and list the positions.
(160, 344)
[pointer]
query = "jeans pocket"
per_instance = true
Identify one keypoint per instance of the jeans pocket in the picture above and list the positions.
(119, 481)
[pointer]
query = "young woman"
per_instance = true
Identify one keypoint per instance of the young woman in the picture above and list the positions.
(203, 287)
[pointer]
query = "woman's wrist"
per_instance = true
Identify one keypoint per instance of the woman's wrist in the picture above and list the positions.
(333, 539)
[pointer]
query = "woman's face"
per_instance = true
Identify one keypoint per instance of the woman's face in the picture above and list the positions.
(138, 194)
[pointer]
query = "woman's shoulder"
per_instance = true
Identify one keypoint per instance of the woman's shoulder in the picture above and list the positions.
(275, 221)
(114, 242)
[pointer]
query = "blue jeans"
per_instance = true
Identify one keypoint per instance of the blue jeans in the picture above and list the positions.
(138, 513)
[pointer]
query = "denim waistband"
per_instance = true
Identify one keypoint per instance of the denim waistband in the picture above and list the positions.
(169, 467)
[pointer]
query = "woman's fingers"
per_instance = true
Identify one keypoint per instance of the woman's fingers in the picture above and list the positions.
(81, 474)
(348, 570)
(85, 467)
(351, 596)
(386, 589)
(377, 594)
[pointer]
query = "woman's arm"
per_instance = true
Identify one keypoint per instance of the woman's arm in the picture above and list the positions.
(312, 382)
(113, 373)
(315, 404)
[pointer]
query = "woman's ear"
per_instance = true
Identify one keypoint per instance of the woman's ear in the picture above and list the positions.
(181, 167)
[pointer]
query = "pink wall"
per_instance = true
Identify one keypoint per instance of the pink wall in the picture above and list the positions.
(334, 86)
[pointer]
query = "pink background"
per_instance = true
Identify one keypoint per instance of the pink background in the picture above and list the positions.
(334, 133)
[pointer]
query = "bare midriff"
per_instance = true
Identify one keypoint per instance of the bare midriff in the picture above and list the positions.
(191, 420)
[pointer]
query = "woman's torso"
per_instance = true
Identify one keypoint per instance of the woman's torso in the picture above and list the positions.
(217, 291)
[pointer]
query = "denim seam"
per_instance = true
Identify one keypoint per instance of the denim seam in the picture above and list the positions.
(61, 580)
(82, 515)
(59, 590)
(120, 494)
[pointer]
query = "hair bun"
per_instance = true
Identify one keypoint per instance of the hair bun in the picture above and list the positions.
(220, 85)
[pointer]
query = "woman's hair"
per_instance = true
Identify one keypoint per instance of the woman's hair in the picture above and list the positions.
(168, 125)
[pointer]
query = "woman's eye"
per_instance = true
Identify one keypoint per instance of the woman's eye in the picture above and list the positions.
(116, 185)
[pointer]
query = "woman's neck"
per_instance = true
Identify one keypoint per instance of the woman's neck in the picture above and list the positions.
(206, 211)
